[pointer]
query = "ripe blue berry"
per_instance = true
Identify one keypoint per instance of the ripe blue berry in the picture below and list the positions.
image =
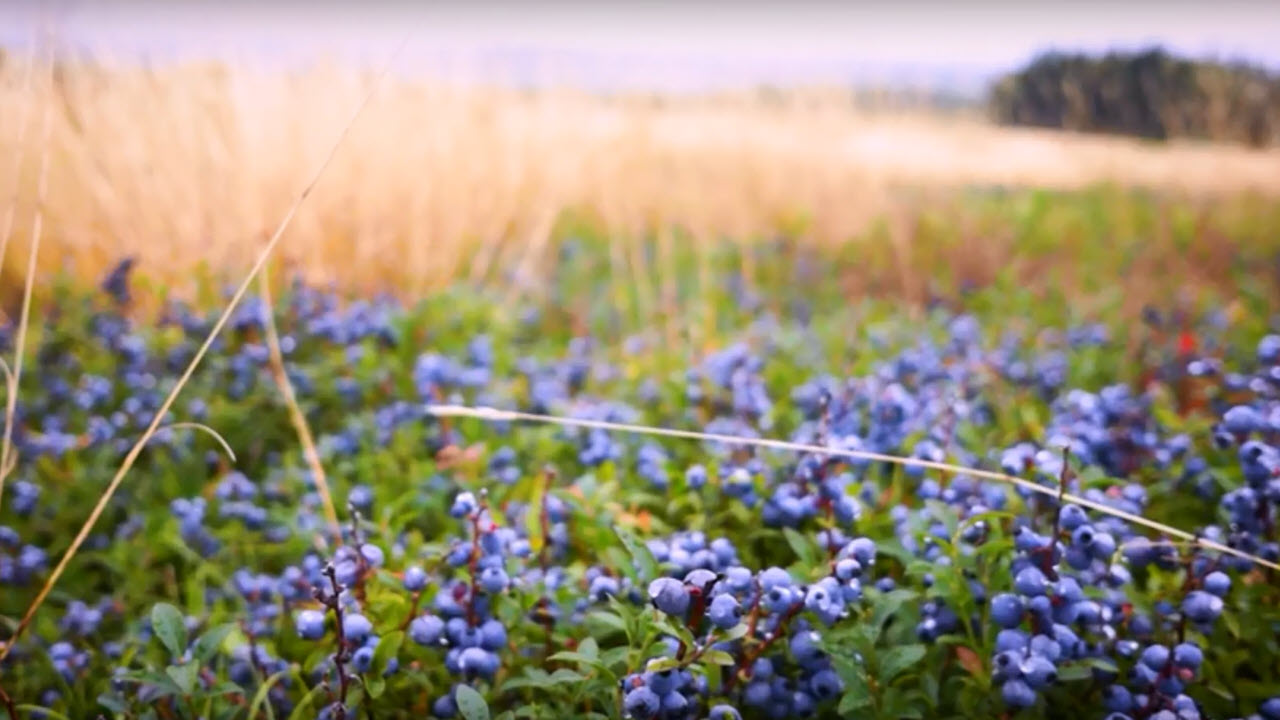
(669, 595)
(1188, 655)
(641, 703)
(310, 624)
(1217, 583)
(1030, 581)
(1017, 694)
(1202, 607)
(493, 580)
(1006, 610)
(415, 579)
(1038, 672)
(724, 612)
(426, 630)
(356, 627)
(1155, 657)
(724, 712)
(463, 505)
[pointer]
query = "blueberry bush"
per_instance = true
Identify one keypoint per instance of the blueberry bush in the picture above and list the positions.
(517, 569)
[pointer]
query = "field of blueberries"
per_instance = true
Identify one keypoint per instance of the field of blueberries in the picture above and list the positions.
(492, 567)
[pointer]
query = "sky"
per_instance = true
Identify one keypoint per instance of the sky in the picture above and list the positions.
(662, 44)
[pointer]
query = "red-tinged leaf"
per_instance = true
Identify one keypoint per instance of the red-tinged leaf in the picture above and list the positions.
(969, 660)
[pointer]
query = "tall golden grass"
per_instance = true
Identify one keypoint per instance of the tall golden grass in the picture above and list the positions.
(183, 167)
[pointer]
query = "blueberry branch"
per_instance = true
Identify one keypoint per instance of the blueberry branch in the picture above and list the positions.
(331, 601)
(8, 704)
(474, 560)
(750, 656)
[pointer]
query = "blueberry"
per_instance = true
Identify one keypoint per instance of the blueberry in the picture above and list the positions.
(426, 630)
(1117, 698)
(493, 580)
(356, 627)
(1217, 583)
(670, 596)
(848, 568)
(372, 555)
(674, 704)
(444, 706)
(757, 694)
(1202, 607)
(1006, 610)
(1072, 517)
(475, 661)
(1007, 664)
(1103, 546)
(1030, 582)
(863, 550)
(310, 624)
(463, 505)
(493, 635)
(641, 703)
(415, 579)
(1241, 420)
(780, 599)
(724, 611)
(724, 712)
(362, 659)
(1083, 535)
(1039, 672)
(1155, 657)
(360, 497)
(1188, 655)
(825, 684)
(1011, 640)
(1017, 694)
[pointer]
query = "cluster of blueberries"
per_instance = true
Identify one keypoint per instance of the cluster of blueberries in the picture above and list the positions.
(1062, 598)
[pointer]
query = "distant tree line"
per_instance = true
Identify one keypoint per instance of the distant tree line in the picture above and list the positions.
(1150, 94)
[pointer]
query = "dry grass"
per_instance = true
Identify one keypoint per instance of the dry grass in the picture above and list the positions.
(186, 167)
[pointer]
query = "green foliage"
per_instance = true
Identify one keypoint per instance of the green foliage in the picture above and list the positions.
(1150, 94)
(156, 579)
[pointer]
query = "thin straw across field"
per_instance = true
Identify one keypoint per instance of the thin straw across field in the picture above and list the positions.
(185, 167)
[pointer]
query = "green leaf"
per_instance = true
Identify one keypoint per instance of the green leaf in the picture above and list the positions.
(897, 659)
(718, 657)
(208, 644)
(304, 707)
(898, 704)
(853, 699)
(680, 632)
(849, 671)
(168, 624)
(589, 648)
(165, 686)
(640, 555)
(565, 675)
(223, 688)
(607, 620)
(260, 697)
(660, 664)
(1074, 671)
(574, 657)
(112, 703)
(388, 648)
(184, 676)
(471, 704)
(801, 546)
(375, 684)
(886, 606)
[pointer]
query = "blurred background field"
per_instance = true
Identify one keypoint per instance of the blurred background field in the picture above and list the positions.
(187, 164)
